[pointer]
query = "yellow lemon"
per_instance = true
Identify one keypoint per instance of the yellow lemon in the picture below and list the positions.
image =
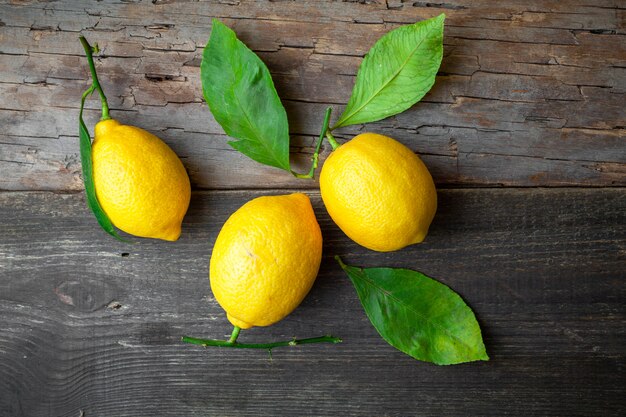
(378, 192)
(140, 182)
(265, 259)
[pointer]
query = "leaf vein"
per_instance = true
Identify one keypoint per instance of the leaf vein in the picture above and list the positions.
(254, 129)
(390, 295)
(386, 83)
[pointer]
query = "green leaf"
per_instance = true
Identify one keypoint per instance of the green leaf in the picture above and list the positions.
(396, 73)
(418, 315)
(241, 95)
(87, 166)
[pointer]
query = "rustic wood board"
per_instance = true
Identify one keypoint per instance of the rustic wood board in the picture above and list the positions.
(92, 325)
(529, 94)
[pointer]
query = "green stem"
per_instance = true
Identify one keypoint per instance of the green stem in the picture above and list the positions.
(332, 140)
(89, 50)
(86, 94)
(232, 343)
(316, 154)
(234, 335)
(340, 262)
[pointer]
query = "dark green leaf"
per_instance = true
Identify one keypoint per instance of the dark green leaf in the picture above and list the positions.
(241, 95)
(87, 166)
(396, 73)
(418, 315)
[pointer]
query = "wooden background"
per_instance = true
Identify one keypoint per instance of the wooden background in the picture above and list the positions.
(524, 133)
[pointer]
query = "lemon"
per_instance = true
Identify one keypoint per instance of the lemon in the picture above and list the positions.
(265, 259)
(140, 182)
(378, 192)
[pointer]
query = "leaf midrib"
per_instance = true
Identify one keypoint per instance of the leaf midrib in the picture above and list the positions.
(253, 129)
(257, 138)
(342, 120)
(254, 137)
(362, 275)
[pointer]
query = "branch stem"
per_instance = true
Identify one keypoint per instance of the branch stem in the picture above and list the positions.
(340, 262)
(89, 51)
(269, 346)
(316, 154)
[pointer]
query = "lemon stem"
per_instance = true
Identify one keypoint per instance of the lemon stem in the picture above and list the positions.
(331, 140)
(232, 342)
(89, 51)
(234, 335)
(316, 154)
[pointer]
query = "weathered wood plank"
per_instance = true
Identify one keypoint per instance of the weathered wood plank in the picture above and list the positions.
(90, 324)
(528, 94)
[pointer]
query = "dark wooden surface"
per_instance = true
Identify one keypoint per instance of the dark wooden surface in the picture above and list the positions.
(94, 325)
(530, 98)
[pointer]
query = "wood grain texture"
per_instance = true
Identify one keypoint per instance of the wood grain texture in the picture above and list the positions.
(529, 93)
(93, 325)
